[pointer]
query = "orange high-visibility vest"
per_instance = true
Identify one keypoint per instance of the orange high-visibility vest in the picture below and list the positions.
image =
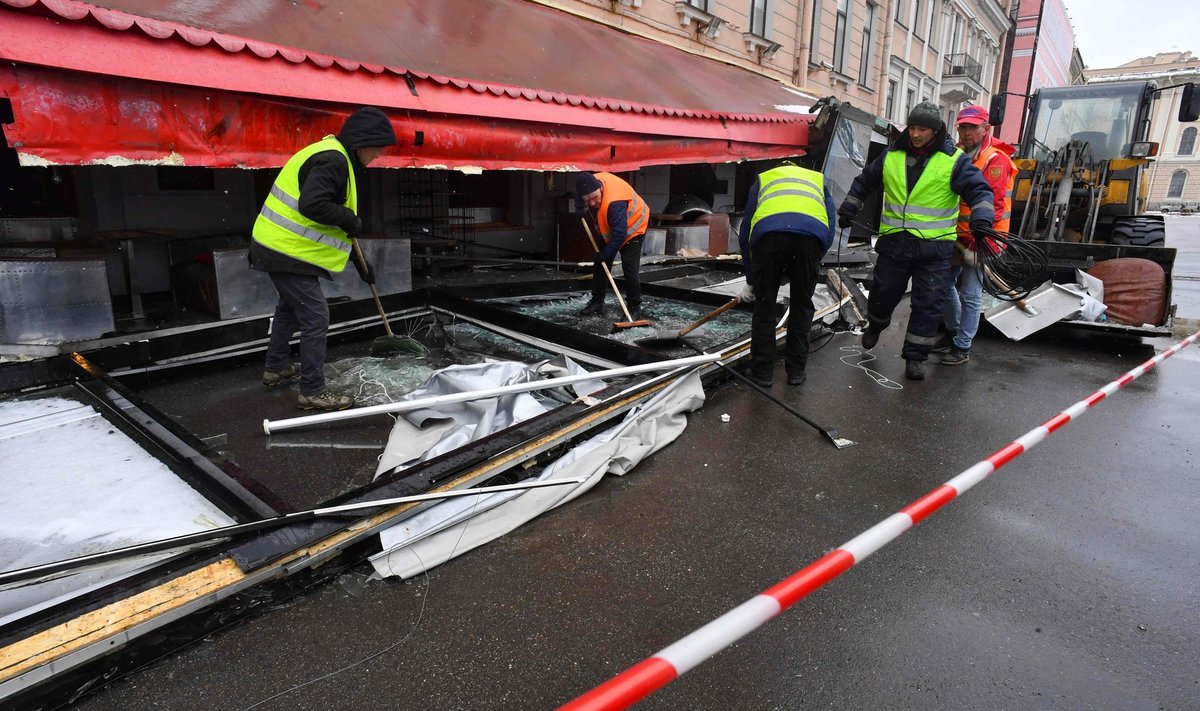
(637, 211)
(1003, 217)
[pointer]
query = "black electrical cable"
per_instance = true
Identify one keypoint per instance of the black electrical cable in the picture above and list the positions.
(1010, 267)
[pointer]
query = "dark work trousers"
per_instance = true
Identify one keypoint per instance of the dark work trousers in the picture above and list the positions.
(774, 256)
(631, 264)
(302, 307)
(927, 262)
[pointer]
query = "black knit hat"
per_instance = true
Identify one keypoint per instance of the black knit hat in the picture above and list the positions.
(368, 127)
(926, 114)
(586, 184)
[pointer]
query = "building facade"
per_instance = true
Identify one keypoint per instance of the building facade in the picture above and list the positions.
(1174, 178)
(1043, 54)
(883, 56)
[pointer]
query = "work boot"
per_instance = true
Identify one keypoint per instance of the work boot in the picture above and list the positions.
(635, 311)
(326, 401)
(797, 379)
(955, 357)
(594, 308)
(869, 338)
(944, 343)
(914, 369)
(762, 380)
(272, 379)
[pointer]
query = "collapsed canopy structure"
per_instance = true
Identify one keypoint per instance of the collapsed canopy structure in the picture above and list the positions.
(502, 84)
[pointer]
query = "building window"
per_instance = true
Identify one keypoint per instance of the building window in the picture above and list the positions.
(839, 36)
(900, 11)
(864, 63)
(1187, 142)
(814, 34)
(1178, 178)
(956, 35)
(699, 4)
(758, 17)
(909, 97)
(916, 22)
(933, 16)
(891, 100)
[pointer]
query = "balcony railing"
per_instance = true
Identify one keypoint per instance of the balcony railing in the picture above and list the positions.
(962, 65)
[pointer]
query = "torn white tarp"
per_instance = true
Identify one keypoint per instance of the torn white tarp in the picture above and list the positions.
(442, 532)
(74, 485)
(422, 434)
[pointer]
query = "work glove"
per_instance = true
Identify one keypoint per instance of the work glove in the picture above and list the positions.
(846, 214)
(977, 225)
(364, 270)
(970, 258)
(746, 295)
(357, 229)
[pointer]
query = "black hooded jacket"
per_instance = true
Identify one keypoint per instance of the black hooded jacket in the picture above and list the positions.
(324, 179)
(965, 180)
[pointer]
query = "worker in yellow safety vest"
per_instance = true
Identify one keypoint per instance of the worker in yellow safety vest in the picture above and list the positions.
(623, 217)
(964, 290)
(924, 177)
(787, 228)
(303, 234)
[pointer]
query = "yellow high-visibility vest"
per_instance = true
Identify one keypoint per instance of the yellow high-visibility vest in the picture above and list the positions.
(281, 227)
(930, 211)
(792, 189)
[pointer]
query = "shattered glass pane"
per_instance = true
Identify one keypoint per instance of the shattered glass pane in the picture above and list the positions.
(372, 380)
(667, 317)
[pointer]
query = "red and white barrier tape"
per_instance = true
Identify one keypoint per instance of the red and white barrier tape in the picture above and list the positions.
(649, 675)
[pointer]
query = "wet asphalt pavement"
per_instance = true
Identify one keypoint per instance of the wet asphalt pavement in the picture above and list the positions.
(1069, 579)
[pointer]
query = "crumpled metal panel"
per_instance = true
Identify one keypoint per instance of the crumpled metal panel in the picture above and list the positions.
(51, 301)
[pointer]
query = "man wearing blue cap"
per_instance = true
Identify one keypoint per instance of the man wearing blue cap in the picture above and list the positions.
(623, 217)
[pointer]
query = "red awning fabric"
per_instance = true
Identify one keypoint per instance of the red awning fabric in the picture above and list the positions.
(201, 83)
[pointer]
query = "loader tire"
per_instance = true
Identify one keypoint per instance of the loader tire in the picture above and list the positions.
(1139, 232)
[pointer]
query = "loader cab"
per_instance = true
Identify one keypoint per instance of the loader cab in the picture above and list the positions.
(1111, 118)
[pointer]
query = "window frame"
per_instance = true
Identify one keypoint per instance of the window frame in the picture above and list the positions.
(814, 33)
(1172, 193)
(841, 37)
(1189, 135)
(759, 28)
(868, 30)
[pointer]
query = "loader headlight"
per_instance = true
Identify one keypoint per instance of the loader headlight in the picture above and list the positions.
(1143, 149)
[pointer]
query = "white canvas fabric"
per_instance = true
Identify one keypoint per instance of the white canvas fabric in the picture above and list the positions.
(454, 527)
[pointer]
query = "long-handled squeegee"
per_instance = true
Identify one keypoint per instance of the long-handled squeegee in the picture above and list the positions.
(628, 322)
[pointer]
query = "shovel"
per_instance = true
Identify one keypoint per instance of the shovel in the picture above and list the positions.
(662, 336)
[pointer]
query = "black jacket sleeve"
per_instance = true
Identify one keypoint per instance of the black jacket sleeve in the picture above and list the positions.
(868, 181)
(324, 180)
(969, 183)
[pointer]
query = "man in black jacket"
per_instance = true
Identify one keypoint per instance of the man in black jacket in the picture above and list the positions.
(924, 177)
(303, 234)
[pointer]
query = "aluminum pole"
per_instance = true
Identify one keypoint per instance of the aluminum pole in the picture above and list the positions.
(291, 423)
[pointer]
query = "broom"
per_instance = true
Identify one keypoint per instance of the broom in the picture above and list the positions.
(628, 322)
(391, 344)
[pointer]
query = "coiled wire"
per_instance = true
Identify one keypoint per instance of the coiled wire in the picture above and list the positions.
(1010, 267)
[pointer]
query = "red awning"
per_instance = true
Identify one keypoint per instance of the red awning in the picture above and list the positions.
(184, 83)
